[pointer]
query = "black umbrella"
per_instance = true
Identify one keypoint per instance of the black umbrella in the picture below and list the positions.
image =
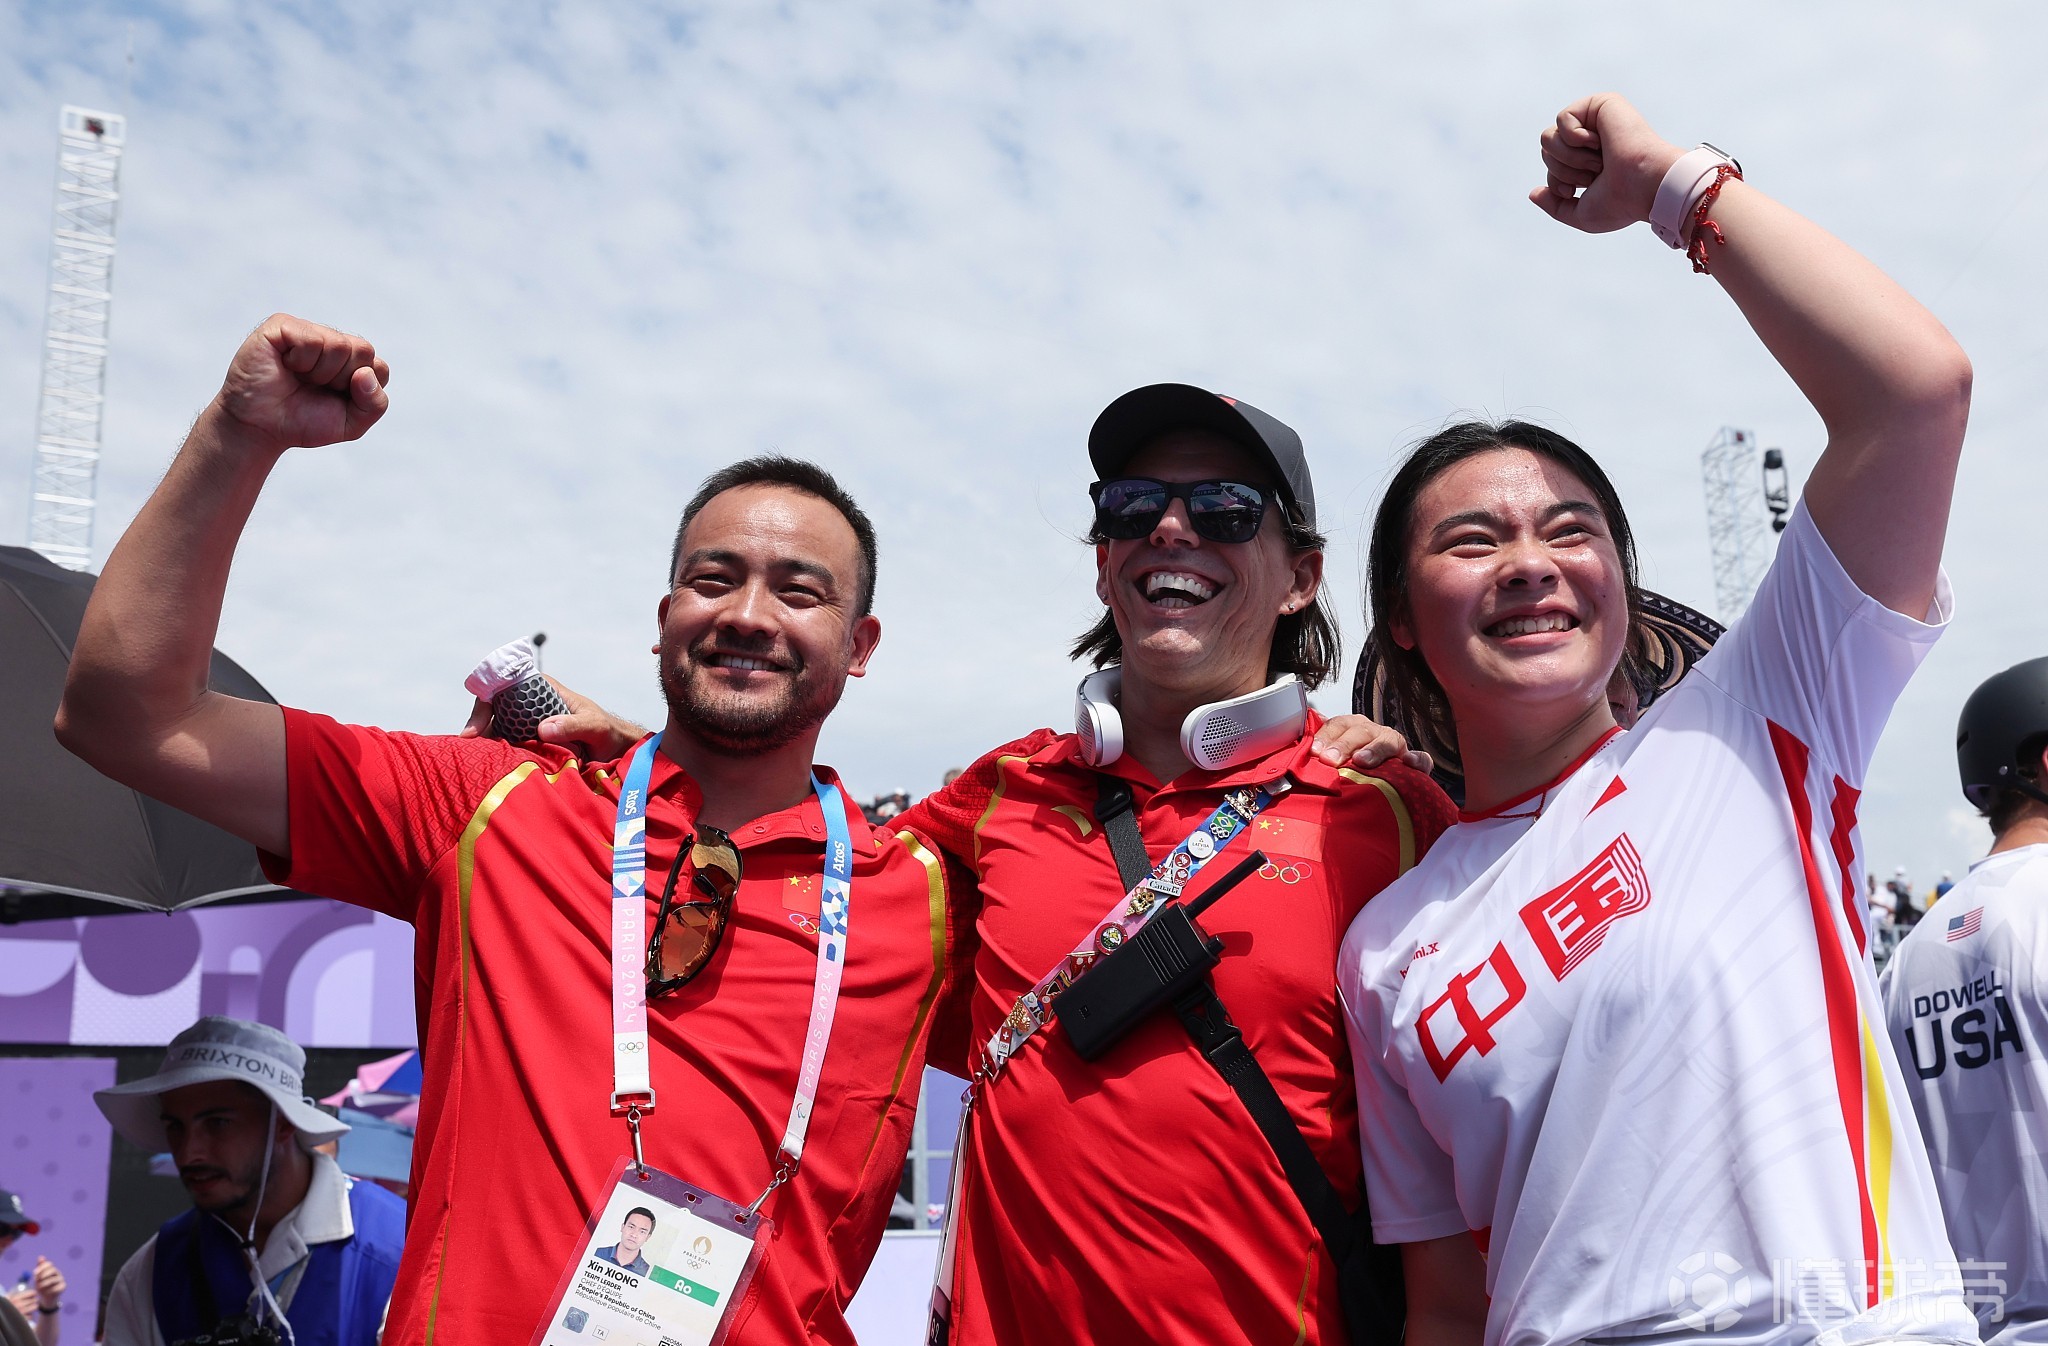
(73, 842)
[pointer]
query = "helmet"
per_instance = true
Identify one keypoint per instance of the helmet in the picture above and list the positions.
(1997, 723)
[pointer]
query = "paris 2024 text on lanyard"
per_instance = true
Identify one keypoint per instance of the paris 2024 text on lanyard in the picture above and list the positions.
(663, 1261)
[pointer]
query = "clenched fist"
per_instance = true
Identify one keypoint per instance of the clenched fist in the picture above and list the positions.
(1603, 163)
(296, 384)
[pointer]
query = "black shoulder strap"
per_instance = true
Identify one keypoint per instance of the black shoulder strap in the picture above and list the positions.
(1369, 1276)
(1114, 810)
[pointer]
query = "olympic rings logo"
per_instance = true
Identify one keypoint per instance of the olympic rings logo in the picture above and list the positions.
(1294, 871)
(807, 924)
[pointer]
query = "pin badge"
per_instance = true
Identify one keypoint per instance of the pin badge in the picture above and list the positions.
(1110, 938)
(1201, 845)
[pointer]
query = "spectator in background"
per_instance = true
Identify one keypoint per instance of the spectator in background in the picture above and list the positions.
(1948, 881)
(40, 1295)
(1966, 998)
(885, 807)
(228, 1104)
(1904, 914)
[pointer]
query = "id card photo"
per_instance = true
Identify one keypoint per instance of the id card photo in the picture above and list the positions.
(661, 1265)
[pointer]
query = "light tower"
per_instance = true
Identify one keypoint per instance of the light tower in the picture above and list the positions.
(1738, 496)
(66, 472)
(1735, 519)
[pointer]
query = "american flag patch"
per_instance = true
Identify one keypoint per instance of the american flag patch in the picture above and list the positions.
(1965, 925)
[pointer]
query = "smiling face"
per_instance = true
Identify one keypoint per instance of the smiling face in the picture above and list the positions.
(1198, 616)
(758, 634)
(1515, 591)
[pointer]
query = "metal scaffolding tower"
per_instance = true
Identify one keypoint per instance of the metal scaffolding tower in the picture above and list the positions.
(1735, 519)
(65, 476)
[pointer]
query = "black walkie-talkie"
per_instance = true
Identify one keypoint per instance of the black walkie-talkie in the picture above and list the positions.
(1166, 957)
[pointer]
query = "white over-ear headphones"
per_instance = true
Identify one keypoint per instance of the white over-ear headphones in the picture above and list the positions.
(1215, 736)
(1097, 722)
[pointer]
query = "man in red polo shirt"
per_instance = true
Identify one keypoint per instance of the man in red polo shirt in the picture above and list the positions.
(508, 861)
(1134, 1197)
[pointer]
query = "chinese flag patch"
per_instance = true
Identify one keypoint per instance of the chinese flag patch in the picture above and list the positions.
(1571, 920)
(800, 893)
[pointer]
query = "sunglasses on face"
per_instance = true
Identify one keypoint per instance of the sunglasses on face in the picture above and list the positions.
(1221, 511)
(687, 933)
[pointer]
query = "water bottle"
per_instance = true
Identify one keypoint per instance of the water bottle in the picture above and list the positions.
(509, 678)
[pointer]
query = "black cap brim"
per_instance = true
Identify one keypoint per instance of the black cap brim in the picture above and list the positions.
(14, 1216)
(1144, 414)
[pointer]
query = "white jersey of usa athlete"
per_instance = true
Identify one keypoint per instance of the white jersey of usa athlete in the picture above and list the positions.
(1627, 1025)
(1967, 997)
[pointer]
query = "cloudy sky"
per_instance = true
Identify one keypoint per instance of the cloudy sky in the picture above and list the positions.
(610, 248)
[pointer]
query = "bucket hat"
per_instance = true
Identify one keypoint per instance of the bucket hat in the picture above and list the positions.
(220, 1048)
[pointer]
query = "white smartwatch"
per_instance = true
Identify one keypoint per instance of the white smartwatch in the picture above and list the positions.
(1680, 191)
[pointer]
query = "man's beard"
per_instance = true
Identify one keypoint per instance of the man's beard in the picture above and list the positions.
(229, 1197)
(748, 727)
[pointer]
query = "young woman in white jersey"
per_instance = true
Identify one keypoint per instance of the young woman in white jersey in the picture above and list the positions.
(1621, 1066)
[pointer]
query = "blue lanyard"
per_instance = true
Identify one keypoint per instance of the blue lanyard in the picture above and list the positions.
(629, 943)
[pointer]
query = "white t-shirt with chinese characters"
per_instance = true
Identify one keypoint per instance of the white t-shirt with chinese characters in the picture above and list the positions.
(1627, 1026)
(1967, 999)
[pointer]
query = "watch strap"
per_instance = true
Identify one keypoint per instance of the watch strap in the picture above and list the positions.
(1670, 213)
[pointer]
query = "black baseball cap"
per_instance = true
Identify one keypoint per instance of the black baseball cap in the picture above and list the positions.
(1143, 414)
(12, 1216)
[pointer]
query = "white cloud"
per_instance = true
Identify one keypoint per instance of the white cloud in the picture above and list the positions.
(610, 248)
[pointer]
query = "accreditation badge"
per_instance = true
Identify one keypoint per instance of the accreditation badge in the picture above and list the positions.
(661, 1263)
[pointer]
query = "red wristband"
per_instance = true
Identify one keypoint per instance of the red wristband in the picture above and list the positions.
(1697, 247)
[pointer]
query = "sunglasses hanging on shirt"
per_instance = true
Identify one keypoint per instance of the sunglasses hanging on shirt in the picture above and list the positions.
(687, 933)
(1221, 511)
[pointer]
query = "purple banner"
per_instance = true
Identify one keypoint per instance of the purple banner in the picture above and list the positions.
(53, 1155)
(327, 974)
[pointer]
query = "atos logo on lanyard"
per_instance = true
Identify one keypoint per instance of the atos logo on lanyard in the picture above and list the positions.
(631, 1075)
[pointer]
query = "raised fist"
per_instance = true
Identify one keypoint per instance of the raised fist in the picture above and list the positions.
(297, 384)
(1603, 164)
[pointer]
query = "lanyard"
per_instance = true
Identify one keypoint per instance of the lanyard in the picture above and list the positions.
(1168, 879)
(631, 1083)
